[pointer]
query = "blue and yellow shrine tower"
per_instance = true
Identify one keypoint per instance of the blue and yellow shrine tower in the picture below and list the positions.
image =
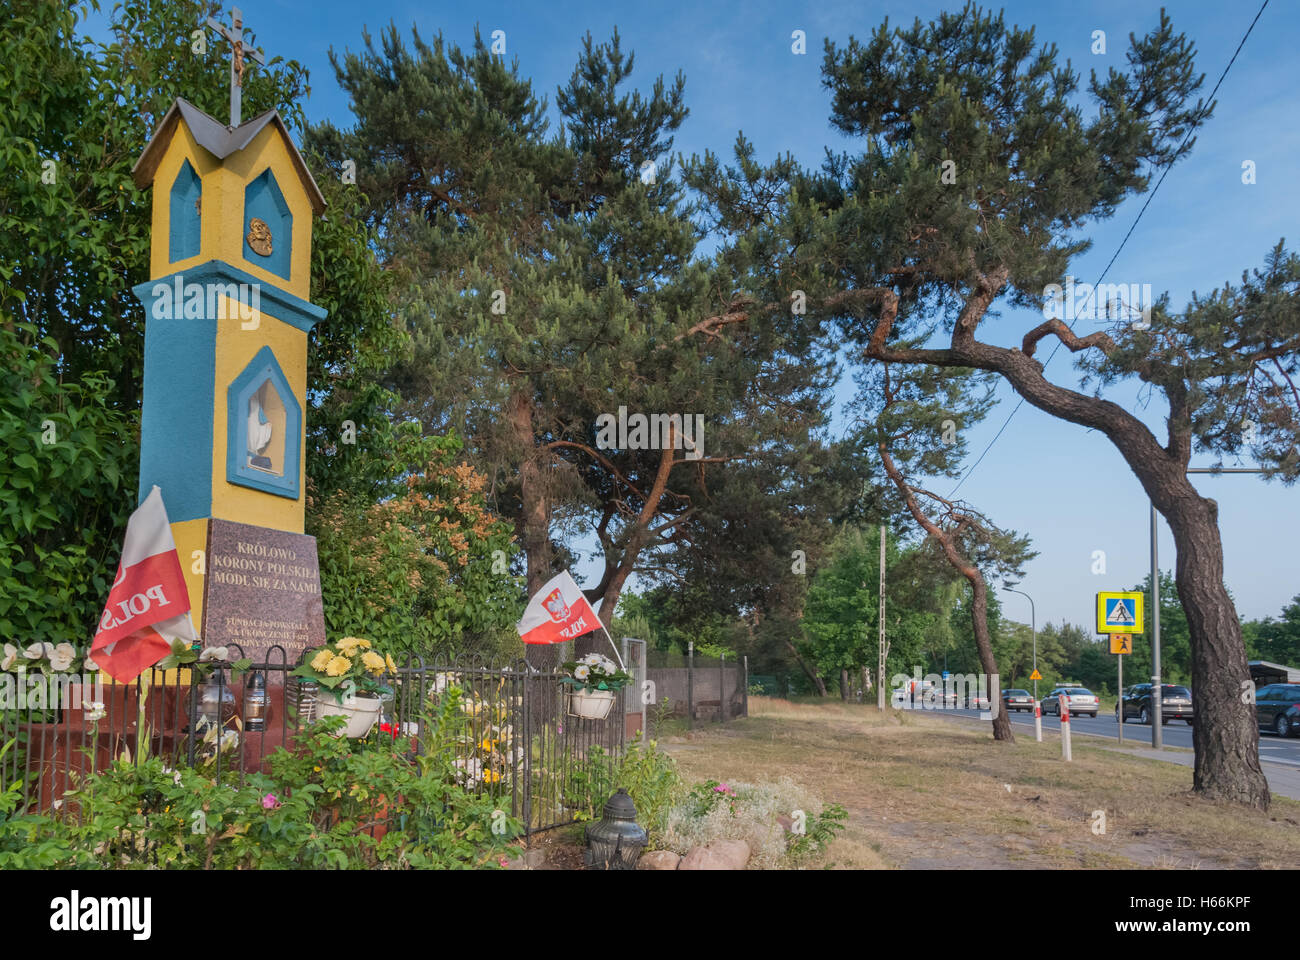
(227, 314)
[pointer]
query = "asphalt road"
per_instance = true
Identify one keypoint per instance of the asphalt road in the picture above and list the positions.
(1272, 748)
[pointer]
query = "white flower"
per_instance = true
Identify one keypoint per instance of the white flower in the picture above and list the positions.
(441, 681)
(214, 653)
(591, 659)
(89, 665)
(38, 650)
(61, 657)
(470, 769)
(581, 672)
(94, 710)
(11, 654)
(229, 739)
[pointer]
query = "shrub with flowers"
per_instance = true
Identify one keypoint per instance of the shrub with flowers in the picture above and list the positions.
(483, 739)
(328, 802)
(711, 794)
(783, 823)
(416, 568)
(595, 672)
(350, 665)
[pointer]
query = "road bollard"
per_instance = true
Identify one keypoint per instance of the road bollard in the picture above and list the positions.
(1065, 728)
(1038, 722)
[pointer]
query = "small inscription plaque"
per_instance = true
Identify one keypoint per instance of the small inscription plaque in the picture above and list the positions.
(262, 590)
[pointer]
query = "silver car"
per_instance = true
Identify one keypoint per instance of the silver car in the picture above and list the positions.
(1080, 700)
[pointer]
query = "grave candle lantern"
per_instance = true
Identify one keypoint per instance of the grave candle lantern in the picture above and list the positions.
(615, 842)
(257, 706)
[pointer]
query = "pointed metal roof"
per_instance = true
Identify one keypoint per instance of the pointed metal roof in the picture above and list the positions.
(221, 141)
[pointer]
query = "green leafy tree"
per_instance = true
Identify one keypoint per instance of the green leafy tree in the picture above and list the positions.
(1278, 641)
(842, 605)
(66, 485)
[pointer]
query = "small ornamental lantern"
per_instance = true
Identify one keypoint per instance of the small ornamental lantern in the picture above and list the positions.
(615, 842)
(216, 701)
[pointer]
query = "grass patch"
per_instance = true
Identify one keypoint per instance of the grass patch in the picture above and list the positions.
(925, 791)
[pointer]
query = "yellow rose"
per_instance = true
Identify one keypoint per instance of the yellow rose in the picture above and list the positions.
(321, 660)
(373, 662)
(338, 666)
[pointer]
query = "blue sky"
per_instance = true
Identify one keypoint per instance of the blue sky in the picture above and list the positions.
(1068, 488)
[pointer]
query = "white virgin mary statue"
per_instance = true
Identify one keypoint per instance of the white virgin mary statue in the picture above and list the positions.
(259, 431)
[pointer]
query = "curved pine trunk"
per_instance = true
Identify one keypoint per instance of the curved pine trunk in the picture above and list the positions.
(1225, 733)
(1225, 736)
(979, 610)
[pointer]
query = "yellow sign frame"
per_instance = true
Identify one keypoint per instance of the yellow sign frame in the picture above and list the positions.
(1138, 599)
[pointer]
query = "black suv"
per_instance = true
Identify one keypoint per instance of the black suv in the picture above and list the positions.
(1277, 708)
(1175, 703)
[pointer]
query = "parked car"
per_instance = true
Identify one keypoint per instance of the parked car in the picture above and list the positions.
(1018, 700)
(1080, 700)
(1175, 703)
(1277, 708)
(976, 700)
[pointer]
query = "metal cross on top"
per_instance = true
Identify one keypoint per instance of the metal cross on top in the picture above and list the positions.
(235, 36)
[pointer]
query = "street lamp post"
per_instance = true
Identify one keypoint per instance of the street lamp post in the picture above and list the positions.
(1033, 632)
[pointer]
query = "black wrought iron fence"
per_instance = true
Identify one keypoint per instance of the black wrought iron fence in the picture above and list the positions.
(516, 739)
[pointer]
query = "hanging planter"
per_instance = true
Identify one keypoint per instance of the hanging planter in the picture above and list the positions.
(591, 704)
(347, 674)
(362, 712)
(593, 681)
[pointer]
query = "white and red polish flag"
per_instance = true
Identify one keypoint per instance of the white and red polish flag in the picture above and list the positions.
(558, 612)
(148, 606)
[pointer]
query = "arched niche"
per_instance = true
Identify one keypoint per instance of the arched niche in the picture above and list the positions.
(185, 215)
(263, 428)
(268, 225)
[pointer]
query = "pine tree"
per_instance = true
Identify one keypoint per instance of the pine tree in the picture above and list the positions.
(548, 280)
(976, 172)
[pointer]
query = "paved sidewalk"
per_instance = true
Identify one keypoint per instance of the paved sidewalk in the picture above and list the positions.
(1283, 775)
(1282, 780)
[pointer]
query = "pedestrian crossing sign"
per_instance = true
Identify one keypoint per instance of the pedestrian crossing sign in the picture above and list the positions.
(1119, 612)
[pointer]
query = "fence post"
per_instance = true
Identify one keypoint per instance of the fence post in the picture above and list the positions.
(744, 679)
(690, 685)
(722, 689)
(528, 755)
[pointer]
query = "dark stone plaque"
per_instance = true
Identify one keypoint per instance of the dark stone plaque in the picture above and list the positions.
(262, 589)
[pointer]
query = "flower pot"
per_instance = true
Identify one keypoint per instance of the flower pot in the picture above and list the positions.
(591, 704)
(362, 712)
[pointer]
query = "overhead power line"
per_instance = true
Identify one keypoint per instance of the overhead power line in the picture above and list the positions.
(1150, 196)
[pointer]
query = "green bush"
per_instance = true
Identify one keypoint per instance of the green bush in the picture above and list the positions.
(425, 571)
(648, 774)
